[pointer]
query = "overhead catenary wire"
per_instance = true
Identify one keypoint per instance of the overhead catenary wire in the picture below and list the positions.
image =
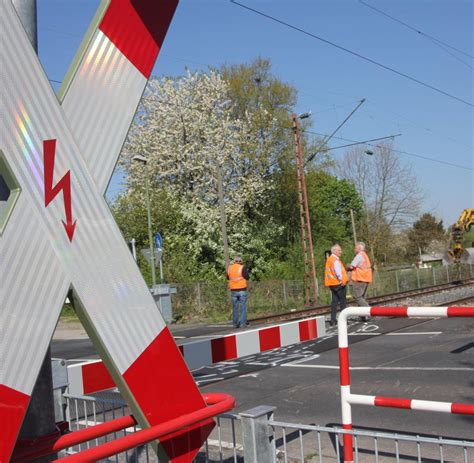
(411, 122)
(452, 54)
(354, 142)
(382, 108)
(407, 153)
(329, 137)
(434, 132)
(414, 29)
(354, 53)
(365, 142)
(347, 145)
(325, 150)
(326, 139)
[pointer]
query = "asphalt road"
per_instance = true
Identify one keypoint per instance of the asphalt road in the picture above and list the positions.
(409, 358)
(426, 360)
(412, 358)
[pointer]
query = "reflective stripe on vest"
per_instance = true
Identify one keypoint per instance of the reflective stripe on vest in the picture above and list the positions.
(236, 280)
(364, 272)
(330, 277)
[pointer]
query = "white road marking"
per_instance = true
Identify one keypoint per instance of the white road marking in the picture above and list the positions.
(249, 375)
(415, 334)
(336, 367)
(296, 362)
(365, 334)
(202, 381)
(206, 376)
(369, 328)
(259, 364)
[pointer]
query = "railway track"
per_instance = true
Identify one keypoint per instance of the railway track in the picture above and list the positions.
(386, 298)
(459, 301)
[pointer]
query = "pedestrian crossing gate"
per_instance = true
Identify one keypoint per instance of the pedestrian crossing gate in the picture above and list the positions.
(348, 398)
(59, 236)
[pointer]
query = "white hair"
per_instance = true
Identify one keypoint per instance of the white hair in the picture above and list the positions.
(333, 248)
(361, 244)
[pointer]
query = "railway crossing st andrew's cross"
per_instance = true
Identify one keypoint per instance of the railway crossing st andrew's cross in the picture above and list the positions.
(61, 236)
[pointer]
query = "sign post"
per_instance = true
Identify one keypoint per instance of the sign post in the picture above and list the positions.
(159, 247)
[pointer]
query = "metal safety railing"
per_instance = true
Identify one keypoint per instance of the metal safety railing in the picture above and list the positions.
(86, 412)
(320, 444)
(255, 436)
(99, 448)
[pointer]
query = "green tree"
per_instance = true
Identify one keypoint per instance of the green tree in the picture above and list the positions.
(237, 120)
(260, 95)
(330, 200)
(191, 135)
(425, 231)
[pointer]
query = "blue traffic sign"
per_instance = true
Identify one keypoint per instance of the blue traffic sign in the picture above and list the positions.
(158, 241)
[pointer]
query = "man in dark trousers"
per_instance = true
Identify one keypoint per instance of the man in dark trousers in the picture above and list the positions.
(361, 275)
(335, 278)
(238, 275)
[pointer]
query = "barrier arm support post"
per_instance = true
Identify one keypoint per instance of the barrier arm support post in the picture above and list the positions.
(257, 436)
(348, 399)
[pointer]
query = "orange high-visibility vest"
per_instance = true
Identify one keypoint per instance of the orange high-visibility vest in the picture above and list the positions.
(236, 280)
(330, 277)
(364, 272)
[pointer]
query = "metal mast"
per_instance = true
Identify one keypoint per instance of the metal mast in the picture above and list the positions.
(311, 290)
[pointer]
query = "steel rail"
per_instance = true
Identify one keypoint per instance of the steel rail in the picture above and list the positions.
(456, 301)
(391, 297)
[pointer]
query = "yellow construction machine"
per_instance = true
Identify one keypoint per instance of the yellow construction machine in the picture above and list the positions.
(462, 226)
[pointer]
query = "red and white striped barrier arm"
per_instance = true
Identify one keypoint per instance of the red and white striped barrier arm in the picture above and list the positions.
(348, 399)
(90, 377)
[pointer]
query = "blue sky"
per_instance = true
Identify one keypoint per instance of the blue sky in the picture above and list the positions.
(329, 81)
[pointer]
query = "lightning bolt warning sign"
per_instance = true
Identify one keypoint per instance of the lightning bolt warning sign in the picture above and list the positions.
(64, 185)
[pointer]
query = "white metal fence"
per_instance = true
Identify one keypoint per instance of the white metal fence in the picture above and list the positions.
(255, 437)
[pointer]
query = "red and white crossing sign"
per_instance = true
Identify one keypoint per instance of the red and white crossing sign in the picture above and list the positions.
(61, 235)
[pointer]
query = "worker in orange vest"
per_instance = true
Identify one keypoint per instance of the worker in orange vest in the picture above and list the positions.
(335, 278)
(238, 274)
(361, 274)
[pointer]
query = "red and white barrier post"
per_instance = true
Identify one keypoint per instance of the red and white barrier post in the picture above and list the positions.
(348, 399)
(92, 376)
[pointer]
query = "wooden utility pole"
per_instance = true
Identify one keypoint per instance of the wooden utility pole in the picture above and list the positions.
(311, 291)
(354, 233)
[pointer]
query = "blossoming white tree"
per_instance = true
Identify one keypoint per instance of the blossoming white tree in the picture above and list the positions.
(188, 131)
